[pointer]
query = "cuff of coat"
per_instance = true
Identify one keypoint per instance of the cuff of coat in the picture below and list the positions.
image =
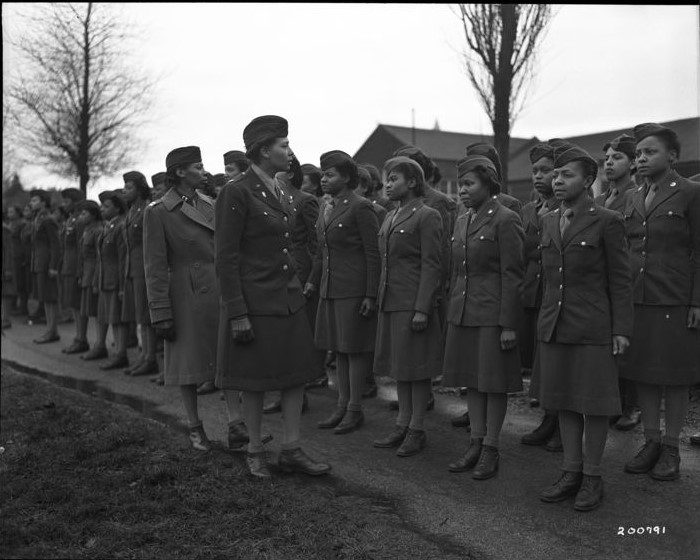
(160, 311)
(235, 308)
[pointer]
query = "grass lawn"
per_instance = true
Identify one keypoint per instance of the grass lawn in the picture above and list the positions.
(83, 478)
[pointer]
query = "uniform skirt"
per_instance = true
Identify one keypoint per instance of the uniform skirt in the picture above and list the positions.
(70, 292)
(135, 305)
(663, 350)
(578, 377)
(88, 302)
(404, 354)
(281, 355)
(341, 328)
(474, 359)
(22, 281)
(109, 308)
(45, 288)
(527, 336)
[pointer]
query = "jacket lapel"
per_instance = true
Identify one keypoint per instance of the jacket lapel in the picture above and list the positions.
(667, 189)
(341, 207)
(584, 217)
(551, 224)
(483, 216)
(405, 214)
(172, 199)
(262, 193)
(637, 201)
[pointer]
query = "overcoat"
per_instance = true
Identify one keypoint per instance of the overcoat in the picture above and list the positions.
(256, 274)
(87, 264)
(111, 255)
(70, 236)
(488, 255)
(587, 295)
(178, 254)
(347, 264)
(46, 244)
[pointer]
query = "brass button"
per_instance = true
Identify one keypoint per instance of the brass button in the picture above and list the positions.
(285, 267)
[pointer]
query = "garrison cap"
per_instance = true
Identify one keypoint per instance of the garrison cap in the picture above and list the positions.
(183, 156)
(264, 128)
(158, 178)
(116, 197)
(571, 152)
(92, 207)
(667, 135)
(234, 156)
(419, 156)
(488, 151)
(309, 169)
(469, 163)
(405, 160)
(623, 143)
(335, 157)
(139, 181)
(543, 149)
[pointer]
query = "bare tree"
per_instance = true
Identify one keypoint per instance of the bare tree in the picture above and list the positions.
(502, 41)
(76, 101)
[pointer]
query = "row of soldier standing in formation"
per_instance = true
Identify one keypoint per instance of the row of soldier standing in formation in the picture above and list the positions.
(252, 286)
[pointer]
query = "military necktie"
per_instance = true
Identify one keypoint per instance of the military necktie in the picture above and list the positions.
(650, 197)
(328, 210)
(611, 198)
(565, 220)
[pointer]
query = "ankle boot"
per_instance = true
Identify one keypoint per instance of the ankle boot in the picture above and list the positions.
(394, 439)
(590, 495)
(645, 459)
(352, 421)
(470, 457)
(487, 466)
(413, 443)
(543, 432)
(567, 485)
(668, 465)
(333, 420)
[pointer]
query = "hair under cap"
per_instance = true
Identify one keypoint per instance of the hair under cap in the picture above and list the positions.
(396, 160)
(183, 156)
(334, 158)
(90, 206)
(115, 196)
(309, 169)
(543, 149)
(234, 156)
(571, 152)
(158, 178)
(42, 194)
(140, 182)
(623, 143)
(488, 151)
(469, 163)
(264, 128)
(642, 131)
(76, 195)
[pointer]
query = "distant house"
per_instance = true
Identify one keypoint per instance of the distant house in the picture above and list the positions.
(446, 148)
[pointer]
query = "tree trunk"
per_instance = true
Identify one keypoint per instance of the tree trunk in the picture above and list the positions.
(83, 163)
(502, 89)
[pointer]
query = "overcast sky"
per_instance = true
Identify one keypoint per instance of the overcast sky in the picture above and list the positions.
(335, 71)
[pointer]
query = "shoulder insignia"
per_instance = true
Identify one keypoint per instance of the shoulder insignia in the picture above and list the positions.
(154, 203)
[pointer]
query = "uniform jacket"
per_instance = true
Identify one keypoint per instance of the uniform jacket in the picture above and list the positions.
(347, 263)
(587, 281)
(46, 245)
(382, 201)
(411, 259)
(510, 202)
(70, 237)
(254, 262)
(111, 256)
(487, 268)
(178, 255)
(532, 250)
(447, 208)
(87, 248)
(9, 282)
(380, 211)
(304, 239)
(133, 237)
(620, 201)
(665, 243)
(18, 246)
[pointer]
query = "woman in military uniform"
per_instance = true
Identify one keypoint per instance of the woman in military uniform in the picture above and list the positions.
(135, 308)
(345, 273)
(265, 341)
(662, 219)
(542, 160)
(90, 220)
(481, 349)
(409, 334)
(585, 322)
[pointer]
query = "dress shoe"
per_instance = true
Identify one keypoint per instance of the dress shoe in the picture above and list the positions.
(470, 457)
(295, 460)
(462, 421)
(115, 363)
(47, 337)
(487, 466)
(199, 439)
(352, 421)
(318, 383)
(554, 444)
(97, 353)
(394, 439)
(77, 347)
(413, 443)
(543, 432)
(567, 485)
(645, 459)
(629, 419)
(238, 436)
(695, 439)
(333, 420)
(206, 388)
(436, 381)
(370, 392)
(668, 465)
(590, 495)
(257, 464)
(144, 368)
